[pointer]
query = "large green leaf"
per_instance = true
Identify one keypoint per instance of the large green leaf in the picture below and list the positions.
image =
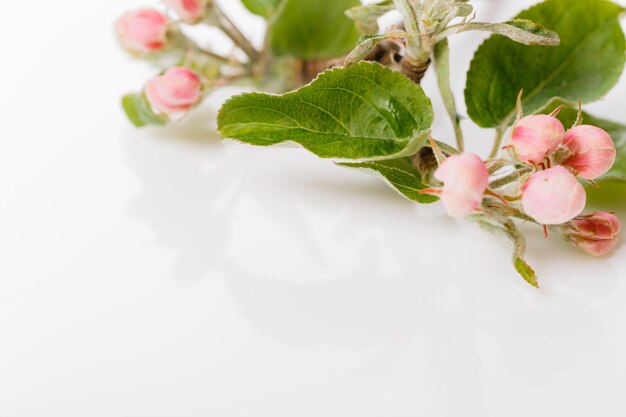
(569, 114)
(263, 8)
(314, 29)
(401, 175)
(586, 65)
(365, 111)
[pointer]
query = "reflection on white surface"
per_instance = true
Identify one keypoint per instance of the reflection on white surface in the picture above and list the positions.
(163, 273)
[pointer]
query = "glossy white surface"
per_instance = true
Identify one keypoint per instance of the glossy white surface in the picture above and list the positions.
(162, 273)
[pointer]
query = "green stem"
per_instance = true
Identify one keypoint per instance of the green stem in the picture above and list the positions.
(193, 46)
(510, 178)
(497, 142)
(442, 68)
(412, 27)
(232, 31)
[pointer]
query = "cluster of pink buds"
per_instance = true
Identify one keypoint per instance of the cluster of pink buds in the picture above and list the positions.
(548, 163)
(145, 31)
(156, 36)
(553, 195)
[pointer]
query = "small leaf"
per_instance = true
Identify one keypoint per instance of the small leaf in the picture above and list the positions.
(366, 16)
(586, 65)
(528, 32)
(400, 174)
(367, 43)
(365, 111)
(568, 115)
(520, 264)
(507, 228)
(313, 30)
(139, 112)
(525, 271)
(522, 31)
(265, 8)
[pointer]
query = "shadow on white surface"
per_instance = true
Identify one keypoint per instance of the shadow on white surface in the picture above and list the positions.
(342, 261)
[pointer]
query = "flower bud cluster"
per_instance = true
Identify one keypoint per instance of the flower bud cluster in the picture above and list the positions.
(156, 36)
(554, 195)
(548, 164)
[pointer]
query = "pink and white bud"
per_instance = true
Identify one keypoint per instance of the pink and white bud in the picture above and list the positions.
(174, 92)
(592, 151)
(142, 31)
(595, 233)
(465, 180)
(553, 196)
(189, 11)
(535, 137)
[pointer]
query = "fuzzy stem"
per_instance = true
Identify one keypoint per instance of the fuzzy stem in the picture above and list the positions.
(510, 178)
(410, 22)
(497, 142)
(442, 68)
(231, 30)
(192, 45)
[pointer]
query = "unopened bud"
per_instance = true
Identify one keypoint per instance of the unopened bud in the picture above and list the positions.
(553, 196)
(142, 31)
(465, 180)
(174, 92)
(591, 151)
(595, 233)
(535, 137)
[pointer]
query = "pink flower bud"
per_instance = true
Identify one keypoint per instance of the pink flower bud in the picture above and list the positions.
(142, 31)
(176, 91)
(465, 180)
(553, 196)
(592, 151)
(535, 137)
(189, 11)
(595, 233)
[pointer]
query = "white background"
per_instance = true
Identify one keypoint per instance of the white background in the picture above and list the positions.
(159, 272)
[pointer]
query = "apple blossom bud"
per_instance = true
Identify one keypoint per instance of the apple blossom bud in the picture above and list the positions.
(595, 233)
(142, 31)
(465, 180)
(591, 151)
(553, 196)
(189, 11)
(536, 137)
(176, 91)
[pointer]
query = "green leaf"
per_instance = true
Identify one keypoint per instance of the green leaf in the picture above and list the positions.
(568, 115)
(526, 271)
(313, 29)
(365, 111)
(527, 32)
(586, 65)
(522, 31)
(367, 43)
(139, 112)
(366, 16)
(400, 174)
(263, 8)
